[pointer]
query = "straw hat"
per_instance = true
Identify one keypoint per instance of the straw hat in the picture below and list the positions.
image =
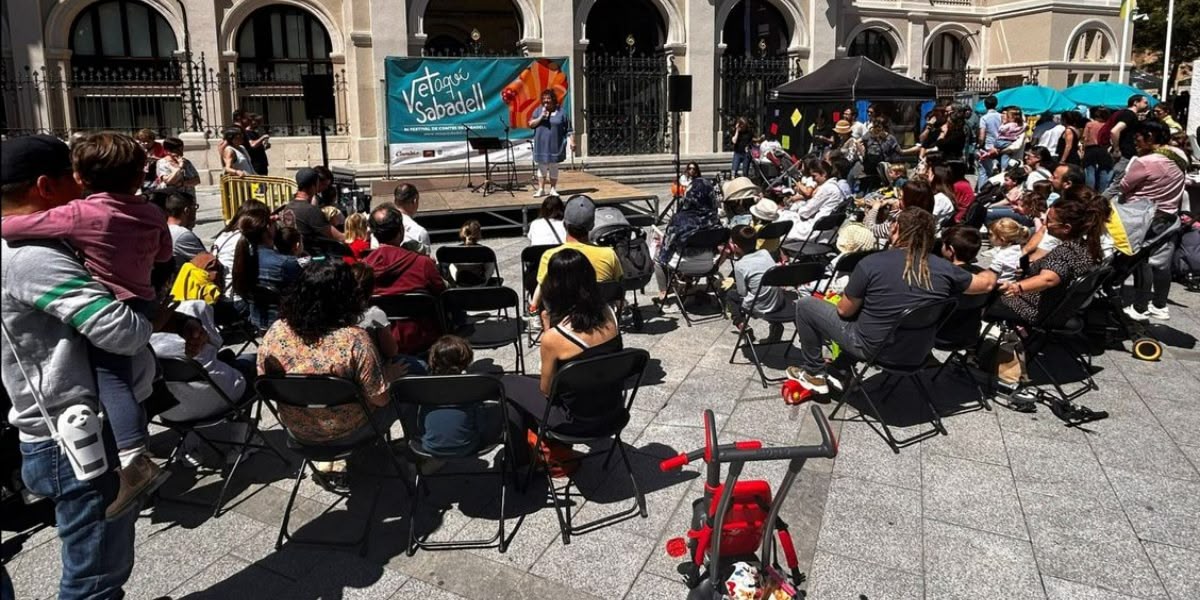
(765, 210)
(842, 126)
(740, 188)
(855, 237)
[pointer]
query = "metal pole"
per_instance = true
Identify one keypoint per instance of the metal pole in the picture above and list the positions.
(1122, 76)
(324, 144)
(1167, 52)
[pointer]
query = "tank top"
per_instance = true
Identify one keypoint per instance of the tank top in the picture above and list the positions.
(241, 161)
(595, 408)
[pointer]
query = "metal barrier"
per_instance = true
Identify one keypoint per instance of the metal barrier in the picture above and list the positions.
(272, 191)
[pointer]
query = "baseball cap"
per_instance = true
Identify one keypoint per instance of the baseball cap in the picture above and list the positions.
(580, 211)
(306, 178)
(26, 158)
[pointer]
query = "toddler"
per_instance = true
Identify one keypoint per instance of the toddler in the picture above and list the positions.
(121, 236)
(451, 431)
(1012, 126)
(358, 239)
(1007, 237)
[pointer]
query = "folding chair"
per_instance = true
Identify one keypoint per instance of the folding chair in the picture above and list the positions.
(531, 259)
(784, 276)
(773, 232)
(413, 306)
(468, 255)
(707, 240)
(472, 391)
(926, 318)
(315, 392)
(185, 378)
(612, 373)
(494, 331)
(960, 333)
(809, 248)
(845, 266)
(264, 306)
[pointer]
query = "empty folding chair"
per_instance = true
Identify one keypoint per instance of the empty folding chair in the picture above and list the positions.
(809, 247)
(786, 277)
(499, 326)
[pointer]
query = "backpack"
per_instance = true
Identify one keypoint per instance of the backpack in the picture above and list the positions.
(629, 243)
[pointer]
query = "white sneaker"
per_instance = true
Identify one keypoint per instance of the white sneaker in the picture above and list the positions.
(1162, 314)
(1133, 313)
(553, 191)
(538, 193)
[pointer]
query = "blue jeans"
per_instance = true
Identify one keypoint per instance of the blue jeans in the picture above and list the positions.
(741, 163)
(1097, 177)
(97, 554)
(996, 213)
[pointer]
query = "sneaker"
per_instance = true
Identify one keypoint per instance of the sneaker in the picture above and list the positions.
(1162, 314)
(553, 191)
(538, 193)
(1133, 313)
(815, 383)
(138, 480)
(1023, 400)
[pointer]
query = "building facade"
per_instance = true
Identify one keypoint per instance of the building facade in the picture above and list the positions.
(181, 66)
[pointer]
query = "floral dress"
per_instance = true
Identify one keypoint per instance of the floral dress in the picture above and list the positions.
(1069, 260)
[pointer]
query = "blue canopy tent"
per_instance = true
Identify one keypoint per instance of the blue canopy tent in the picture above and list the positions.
(1031, 99)
(1104, 93)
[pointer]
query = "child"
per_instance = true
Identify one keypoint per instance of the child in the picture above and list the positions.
(374, 320)
(121, 236)
(1007, 236)
(1012, 126)
(357, 237)
(451, 431)
(334, 215)
(471, 274)
(897, 175)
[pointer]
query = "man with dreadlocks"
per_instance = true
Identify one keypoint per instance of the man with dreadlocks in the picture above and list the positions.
(880, 289)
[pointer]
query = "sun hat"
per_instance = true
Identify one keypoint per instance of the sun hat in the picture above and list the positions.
(855, 237)
(739, 188)
(842, 126)
(765, 210)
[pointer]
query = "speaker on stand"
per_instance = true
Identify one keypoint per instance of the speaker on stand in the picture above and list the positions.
(679, 100)
(319, 104)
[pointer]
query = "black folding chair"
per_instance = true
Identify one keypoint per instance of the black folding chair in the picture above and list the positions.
(316, 392)
(489, 331)
(468, 255)
(960, 333)
(413, 306)
(531, 259)
(773, 232)
(482, 393)
(707, 240)
(927, 318)
(846, 265)
(264, 306)
(185, 378)
(611, 373)
(809, 248)
(788, 278)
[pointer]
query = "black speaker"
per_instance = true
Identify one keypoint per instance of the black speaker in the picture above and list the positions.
(679, 93)
(318, 96)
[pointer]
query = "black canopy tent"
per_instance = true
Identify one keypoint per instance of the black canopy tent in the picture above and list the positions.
(839, 82)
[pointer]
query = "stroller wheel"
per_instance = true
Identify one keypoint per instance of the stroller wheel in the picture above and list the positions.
(1147, 349)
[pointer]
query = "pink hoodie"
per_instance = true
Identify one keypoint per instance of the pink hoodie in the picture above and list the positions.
(121, 236)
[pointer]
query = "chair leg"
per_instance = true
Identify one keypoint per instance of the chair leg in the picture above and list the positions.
(411, 548)
(637, 491)
(675, 283)
(928, 397)
(502, 458)
(233, 470)
(287, 510)
(564, 523)
(887, 431)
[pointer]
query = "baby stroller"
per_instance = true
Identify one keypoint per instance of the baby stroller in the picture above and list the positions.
(1163, 229)
(782, 172)
(612, 229)
(735, 518)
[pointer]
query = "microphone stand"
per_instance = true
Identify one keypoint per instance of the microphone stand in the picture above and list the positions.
(467, 136)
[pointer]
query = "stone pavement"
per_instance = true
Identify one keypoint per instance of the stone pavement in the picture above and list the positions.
(1007, 505)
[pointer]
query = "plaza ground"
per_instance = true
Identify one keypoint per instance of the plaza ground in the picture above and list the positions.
(1007, 505)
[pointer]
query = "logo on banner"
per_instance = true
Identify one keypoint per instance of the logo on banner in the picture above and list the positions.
(434, 96)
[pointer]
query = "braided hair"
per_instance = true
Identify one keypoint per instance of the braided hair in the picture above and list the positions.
(915, 233)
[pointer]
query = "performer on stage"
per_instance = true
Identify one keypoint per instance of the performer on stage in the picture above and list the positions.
(552, 134)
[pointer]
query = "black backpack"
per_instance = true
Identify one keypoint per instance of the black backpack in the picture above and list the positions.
(629, 243)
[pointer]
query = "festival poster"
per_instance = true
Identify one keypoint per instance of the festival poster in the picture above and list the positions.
(435, 104)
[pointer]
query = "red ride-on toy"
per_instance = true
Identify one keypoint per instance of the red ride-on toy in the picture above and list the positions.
(735, 518)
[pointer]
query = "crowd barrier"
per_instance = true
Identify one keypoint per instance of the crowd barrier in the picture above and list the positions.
(272, 191)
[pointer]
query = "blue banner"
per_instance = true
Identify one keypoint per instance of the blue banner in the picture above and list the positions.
(435, 104)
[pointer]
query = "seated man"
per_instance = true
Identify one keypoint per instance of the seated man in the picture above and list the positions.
(880, 289)
(400, 271)
(747, 298)
(578, 218)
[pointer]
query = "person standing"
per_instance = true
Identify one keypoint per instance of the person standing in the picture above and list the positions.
(742, 137)
(175, 171)
(257, 142)
(1097, 162)
(1157, 174)
(552, 135)
(989, 129)
(1120, 139)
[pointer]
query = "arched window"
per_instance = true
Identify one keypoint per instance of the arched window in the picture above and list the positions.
(947, 56)
(755, 29)
(466, 27)
(124, 73)
(1090, 45)
(276, 45)
(875, 45)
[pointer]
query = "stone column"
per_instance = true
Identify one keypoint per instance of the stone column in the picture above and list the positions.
(203, 39)
(698, 128)
(916, 44)
(825, 18)
(25, 41)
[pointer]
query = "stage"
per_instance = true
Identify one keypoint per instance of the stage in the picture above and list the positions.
(447, 201)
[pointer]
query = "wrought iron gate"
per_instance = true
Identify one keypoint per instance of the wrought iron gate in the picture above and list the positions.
(626, 110)
(745, 82)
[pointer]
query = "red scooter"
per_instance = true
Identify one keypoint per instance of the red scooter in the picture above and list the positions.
(735, 518)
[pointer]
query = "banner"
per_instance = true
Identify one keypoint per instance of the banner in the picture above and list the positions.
(435, 104)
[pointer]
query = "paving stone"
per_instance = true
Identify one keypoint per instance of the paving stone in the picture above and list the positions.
(1061, 589)
(662, 491)
(1193, 454)
(576, 565)
(532, 587)
(803, 510)
(414, 589)
(873, 523)
(842, 578)
(1179, 569)
(974, 436)
(652, 587)
(1081, 540)
(1058, 468)
(1141, 447)
(1178, 416)
(346, 577)
(668, 440)
(761, 420)
(1161, 509)
(864, 455)
(969, 564)
(232, 578)
(173, 556)
(971, 494)
(36, 573)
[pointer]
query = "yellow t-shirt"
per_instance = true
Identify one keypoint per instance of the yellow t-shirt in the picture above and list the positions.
(603, 259)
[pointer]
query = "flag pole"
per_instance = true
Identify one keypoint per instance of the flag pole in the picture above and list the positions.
(1126, 15)
(1167, 52)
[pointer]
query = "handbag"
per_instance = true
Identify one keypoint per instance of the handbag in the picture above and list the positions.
(1010, 360)
(558, 458)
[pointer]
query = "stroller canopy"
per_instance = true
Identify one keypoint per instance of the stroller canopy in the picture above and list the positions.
(851, 79)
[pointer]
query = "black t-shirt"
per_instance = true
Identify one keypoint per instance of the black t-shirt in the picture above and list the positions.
(257, 154)
(310, 222)
(879, 282)
(1129, 118)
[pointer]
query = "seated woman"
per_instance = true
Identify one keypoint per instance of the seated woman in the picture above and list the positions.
(697, 211)
(547, 229)
(577, 325)
(256, 263)
(317, 334)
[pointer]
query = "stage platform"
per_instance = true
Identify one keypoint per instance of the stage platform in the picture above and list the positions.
(446, 201)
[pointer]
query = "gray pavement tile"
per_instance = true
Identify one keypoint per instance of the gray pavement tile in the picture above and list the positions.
(714, 389)
(1061, 589)
(766, 420)
(1193, 453)
(874, 523)
(864, 455)
(231, 578)
(462, 573)
(173, 556)
(291, 561)
(347, 577)
(414, 589)
(652, 587)
(663, 492)
(974, 436)
(1058, 468)
(1179, 569)
(36, 572)
(1142, 447)
(1178, 416)
(976, 495)
(576, 565)
(1169, 378)
(668, 440)
(532, 587)
(803, 510)
(1042, 424)
(1161, 509)
(1079, 540)
(969, 564)
(840, 578)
